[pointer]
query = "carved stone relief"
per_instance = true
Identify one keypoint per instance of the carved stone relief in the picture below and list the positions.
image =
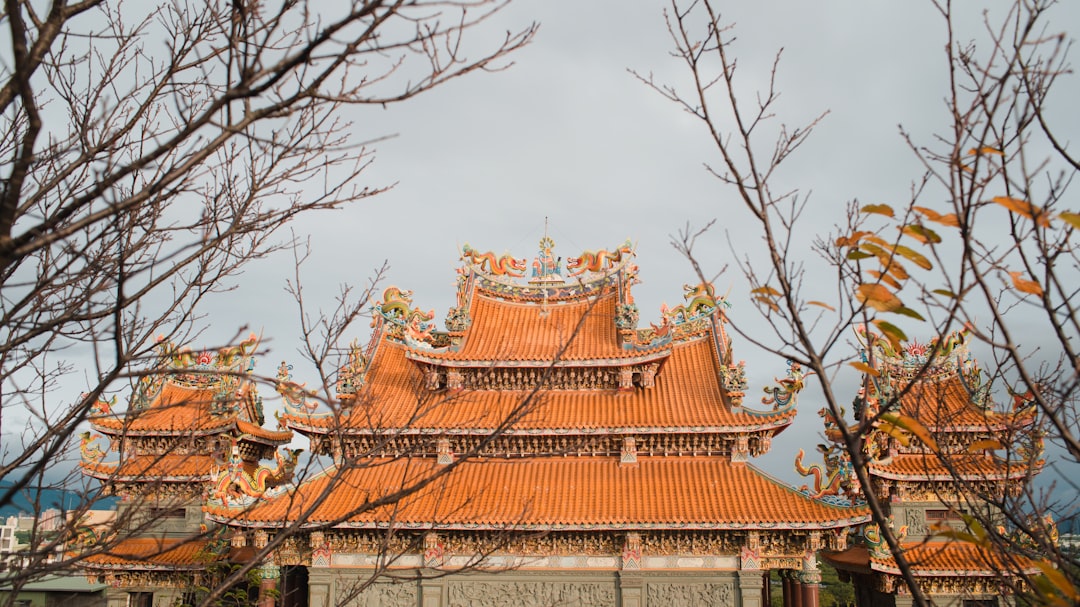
(690, 595)
(530, 594)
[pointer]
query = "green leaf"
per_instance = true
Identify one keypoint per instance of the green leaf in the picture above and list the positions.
(945, 293)
(905, 311)
(915, 257)
(856, 255)
(1073, 219)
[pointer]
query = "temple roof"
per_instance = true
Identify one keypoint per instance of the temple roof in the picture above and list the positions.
(175, 468)
(686, 396)
(580, 331)
(154, 554)
(939, 384)
(186, 411)
(190, 394)
(560, 493)
(961, 467)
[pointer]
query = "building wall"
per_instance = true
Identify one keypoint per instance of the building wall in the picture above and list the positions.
(713, 588)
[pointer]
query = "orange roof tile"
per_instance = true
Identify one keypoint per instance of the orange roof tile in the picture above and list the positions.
(523, 332)
(969, 466)
(554, 493)
(945, 404)
(940, 558)
(154, 467)
(686, 395)
(144, 553)
(180, 409)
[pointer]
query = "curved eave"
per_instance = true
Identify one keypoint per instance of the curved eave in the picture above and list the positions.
(658, 354)
(252, 432)
(548, 494)
(778, 423)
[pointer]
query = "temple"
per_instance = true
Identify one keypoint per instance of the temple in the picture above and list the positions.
(935, 481)
(195, 421)
(545, 449)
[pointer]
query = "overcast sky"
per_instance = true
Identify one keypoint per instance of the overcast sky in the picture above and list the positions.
(567, 134)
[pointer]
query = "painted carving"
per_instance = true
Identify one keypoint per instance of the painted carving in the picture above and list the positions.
(506, 265)
(598, 261)
(785, 393)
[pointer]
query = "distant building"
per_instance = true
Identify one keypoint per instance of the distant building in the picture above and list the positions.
(198, 413)
(940, 386)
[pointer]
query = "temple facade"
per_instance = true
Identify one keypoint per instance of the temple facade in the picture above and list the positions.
(934, 483)
(545, 449)
(194, 426)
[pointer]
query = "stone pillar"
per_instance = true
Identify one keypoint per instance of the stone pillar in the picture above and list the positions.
(319, 581)
(809, 594)
(631, 589)
(433, 593)
(750, 584)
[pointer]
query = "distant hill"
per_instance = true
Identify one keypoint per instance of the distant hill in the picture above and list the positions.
(50, 498)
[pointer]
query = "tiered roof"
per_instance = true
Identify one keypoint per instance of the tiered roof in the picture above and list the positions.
(939, 387)
(173, 444)
(587, 421)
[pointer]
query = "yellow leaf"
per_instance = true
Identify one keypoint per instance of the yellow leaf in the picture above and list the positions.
(902, 436)
(987, 444)
(766, 290)
(821, 304)
(878, 297)
(880, 209)
(985, 150)
(1024, 285)
(913, 426)
(865, 368)
(852, 240)
(1072, 218)
(1025, 208)
(892, 333)
(914, 257)
(922, 233)
(765, 301)
(885, 278)
(932, 215)
(898, 270)
(1058, 579)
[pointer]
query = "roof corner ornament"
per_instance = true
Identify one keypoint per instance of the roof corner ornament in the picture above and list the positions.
(294, 394)
(91, 453)
(352, 376)
(785, 394)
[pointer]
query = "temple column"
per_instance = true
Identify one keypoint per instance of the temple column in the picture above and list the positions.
(810, 580)
(785, 581)
(268, 583)
(796, 589)
(766, 588)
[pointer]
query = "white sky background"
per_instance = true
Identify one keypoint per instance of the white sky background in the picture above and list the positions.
(568, 134)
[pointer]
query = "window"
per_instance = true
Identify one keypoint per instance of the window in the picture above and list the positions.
(938, 516)
(140, 599)
(980, 602)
